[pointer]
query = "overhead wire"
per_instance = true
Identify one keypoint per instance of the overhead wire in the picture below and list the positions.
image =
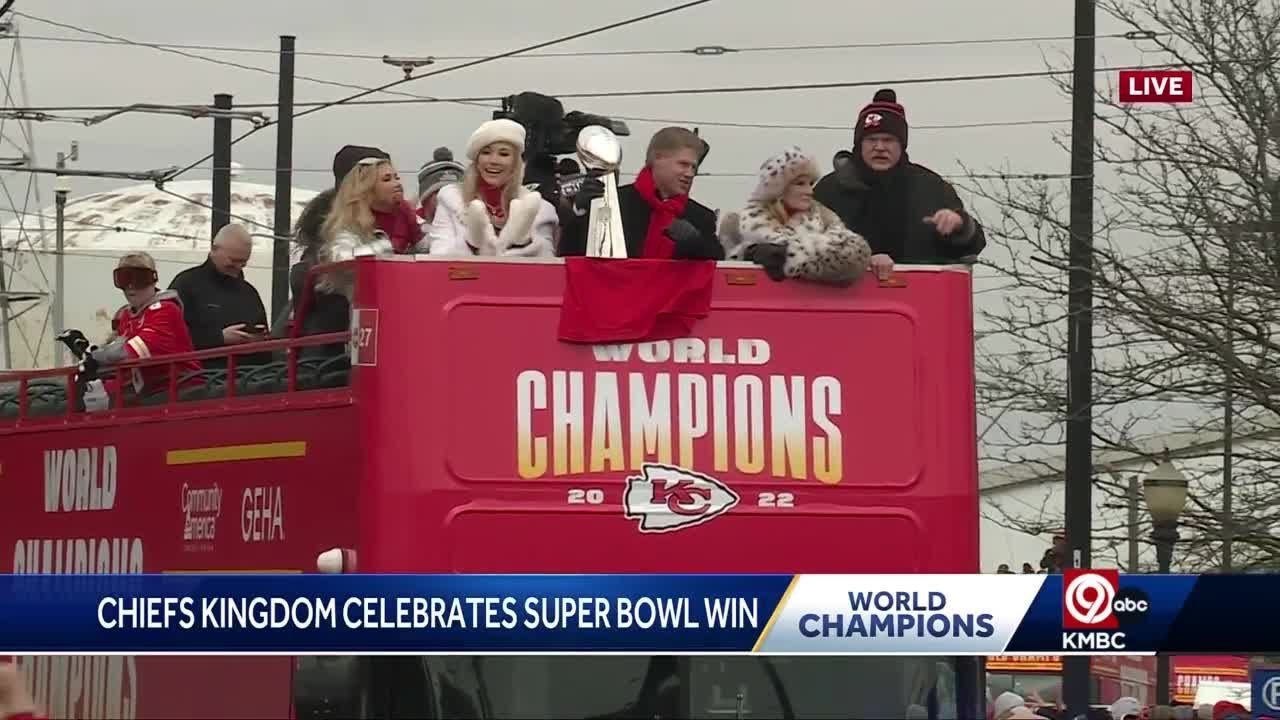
(702, 50)
(453, 68)
(313, 106)
(116, 39)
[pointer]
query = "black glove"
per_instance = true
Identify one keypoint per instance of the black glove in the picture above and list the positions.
(591, 189)
(771, 257)
(683, 232)
(75, 341)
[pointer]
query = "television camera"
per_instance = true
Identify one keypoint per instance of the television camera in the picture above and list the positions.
(550, 132)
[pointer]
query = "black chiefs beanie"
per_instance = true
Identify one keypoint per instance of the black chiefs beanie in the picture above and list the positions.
(882, 115)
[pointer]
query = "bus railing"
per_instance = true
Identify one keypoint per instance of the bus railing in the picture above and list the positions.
(24, 383)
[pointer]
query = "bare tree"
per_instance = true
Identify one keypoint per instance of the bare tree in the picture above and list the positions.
(1186, 277)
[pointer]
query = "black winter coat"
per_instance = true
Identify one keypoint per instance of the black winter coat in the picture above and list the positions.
(212, 301)
(635, 226)
(844, 192)
(327, 312)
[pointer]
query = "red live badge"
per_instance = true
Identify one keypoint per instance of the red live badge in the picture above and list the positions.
(1155, 86)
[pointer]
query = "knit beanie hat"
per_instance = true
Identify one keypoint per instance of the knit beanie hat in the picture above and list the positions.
(882, 115)
(780, 170)
(508, 131)
(349, 155)
(441, 171)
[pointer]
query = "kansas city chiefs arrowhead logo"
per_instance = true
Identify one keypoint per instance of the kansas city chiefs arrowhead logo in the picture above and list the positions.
(665, 498)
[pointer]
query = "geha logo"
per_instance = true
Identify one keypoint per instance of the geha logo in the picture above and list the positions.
(665, 498)
(1088, 597)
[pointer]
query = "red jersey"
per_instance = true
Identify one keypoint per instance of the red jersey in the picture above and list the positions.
(154, 330)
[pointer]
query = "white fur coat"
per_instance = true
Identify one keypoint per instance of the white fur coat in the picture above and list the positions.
(465, 229)
(819, 247)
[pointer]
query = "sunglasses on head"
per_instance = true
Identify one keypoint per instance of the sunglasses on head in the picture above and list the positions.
(134, 278)
(371, 161)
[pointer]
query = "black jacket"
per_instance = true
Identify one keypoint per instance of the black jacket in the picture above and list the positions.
(211, 301)
(326, 312)
(844, 192)
(635, 225)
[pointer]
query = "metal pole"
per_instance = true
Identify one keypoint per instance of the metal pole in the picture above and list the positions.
(1135, 493)
(4, 310)
(221, 165)
(1164, 535)
(1079, 450)
(1228, 406)
(284, 180)
(59, 266)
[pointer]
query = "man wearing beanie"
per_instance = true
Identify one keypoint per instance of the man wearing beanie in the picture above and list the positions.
(659, 219)
(441, 171)
(909, 214)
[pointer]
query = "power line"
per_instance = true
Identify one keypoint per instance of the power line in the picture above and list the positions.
(925, 80)
(118, 40)
(701, 50)
(518, 51)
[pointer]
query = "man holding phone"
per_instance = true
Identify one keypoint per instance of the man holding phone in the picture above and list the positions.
(221, 307)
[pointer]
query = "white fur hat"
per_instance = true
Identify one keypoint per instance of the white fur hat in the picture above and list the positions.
(508, 131)
(778, 171)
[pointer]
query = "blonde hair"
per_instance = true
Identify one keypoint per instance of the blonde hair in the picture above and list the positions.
(471, 180)
(669, 140)
(137, 260)
(352, 205)
(778, 209)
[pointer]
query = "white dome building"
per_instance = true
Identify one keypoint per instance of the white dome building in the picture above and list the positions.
(98, 229)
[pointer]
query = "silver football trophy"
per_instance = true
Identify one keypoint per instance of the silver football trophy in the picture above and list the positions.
(601, 156)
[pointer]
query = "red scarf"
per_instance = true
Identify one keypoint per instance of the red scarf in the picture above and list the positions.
(662, 214)
(492, 197)
(400, 225)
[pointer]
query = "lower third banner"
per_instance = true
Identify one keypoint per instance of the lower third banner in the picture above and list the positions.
(1081, 612)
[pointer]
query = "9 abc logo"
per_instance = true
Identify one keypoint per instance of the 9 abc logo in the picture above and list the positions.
(1093, 600)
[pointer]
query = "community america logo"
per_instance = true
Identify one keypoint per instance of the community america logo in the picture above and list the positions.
(666, 498)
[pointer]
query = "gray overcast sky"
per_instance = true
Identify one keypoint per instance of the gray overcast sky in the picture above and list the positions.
(64, 73)
(60, 73)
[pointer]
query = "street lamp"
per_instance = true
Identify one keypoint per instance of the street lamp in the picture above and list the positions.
(1165, 489)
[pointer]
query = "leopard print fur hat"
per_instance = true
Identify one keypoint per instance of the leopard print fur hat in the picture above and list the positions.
(780, 170)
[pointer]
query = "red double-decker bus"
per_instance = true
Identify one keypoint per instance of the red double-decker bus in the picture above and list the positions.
(836, 426)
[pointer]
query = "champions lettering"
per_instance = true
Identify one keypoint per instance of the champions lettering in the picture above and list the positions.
(897, 615)
(570, 422)
(426, 613)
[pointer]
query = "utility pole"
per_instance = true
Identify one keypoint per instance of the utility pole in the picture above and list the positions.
(61, 189)
(1079, 430)
(221, 164)
(284, 180)
(1229, 402)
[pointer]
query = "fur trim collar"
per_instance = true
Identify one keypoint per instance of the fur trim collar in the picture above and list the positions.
(515, 236)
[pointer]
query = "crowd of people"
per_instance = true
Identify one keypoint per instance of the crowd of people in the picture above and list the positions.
(874, 210)
(1012, 706)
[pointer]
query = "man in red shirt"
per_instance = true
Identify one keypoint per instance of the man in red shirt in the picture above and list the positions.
(150, 325)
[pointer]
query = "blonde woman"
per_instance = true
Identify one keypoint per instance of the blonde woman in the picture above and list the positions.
(789, 233)
(490, 212)
(369, 217)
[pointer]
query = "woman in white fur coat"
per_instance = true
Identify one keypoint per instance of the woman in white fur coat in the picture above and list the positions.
(789, 233)
(490, 212)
